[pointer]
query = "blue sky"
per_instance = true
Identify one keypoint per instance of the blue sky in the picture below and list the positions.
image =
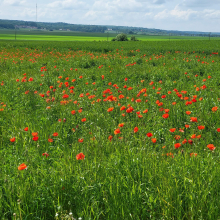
(183, 15)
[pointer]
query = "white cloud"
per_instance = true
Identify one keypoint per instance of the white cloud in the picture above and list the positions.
(13, 2)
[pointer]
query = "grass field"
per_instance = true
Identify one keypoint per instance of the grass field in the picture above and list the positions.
(83, 36)
(109, 130)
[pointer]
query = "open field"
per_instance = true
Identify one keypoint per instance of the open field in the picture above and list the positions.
(83, 36)
(109, 130)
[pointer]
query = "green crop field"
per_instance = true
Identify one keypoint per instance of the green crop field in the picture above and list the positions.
(83, 36)
(109, 130)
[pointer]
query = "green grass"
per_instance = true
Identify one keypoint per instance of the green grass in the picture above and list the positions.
(84, 36)
(127, 176)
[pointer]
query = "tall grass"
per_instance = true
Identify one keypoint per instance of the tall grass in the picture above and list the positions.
(71, 95)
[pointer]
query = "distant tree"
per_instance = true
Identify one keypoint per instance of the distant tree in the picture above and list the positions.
(121, 37)
(133, 38)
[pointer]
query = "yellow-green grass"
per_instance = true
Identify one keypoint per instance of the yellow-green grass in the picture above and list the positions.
(84, 36)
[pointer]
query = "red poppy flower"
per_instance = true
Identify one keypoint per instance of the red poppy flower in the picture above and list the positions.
(211, 146)
(184, 141)
(172, 129)
(110, 137)
(73, 112)
(135, 129)
(201, 127)
(214, 109)
(35, 138)
(50, 140)
(22, 166)
(145, 111)
(83, 119)
(117, 131)
(154, 140)
(188, 112)
(80, 156)
(110, 109)
(122, 108)
(34, 134)
(26, 129)
(193, 136)
(45, 154)
(55, 134)
(129, 110)
(193, 154)
(193, 119)
(177, 145)
(149, 134)
(218, 129)
(165, 115)
(121, 125)
(12, 139)
(190, 141)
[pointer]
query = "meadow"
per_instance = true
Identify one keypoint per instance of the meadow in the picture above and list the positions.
(109, 130)
(25, 34)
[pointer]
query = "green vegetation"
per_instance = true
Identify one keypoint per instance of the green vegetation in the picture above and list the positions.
(109, 130)
(23, 34)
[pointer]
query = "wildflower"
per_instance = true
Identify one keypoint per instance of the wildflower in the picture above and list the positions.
(193, 136)
(34, 134)
(135, 129)
(26, 129)
(22, 166)
(80, 140)
(177, 145)
(172, 129)
(201, 127)
(45, 154)
(35, 138)
(50, 140)
(193, 119)
(211, 146)
(188, 112)
(145, 111)
(12, 139)
(80, 156)
(177, 137)
(117, 131)
(214, 109)
(184, 141)
(110, 137)
(193, 154)
(110, 109)
(218, 129)
(154, 140)
(83, 119)
(121, 125)
(165, 115)
(149, 134)
(190, 141)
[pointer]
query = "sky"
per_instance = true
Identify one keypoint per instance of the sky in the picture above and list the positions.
(182, 15)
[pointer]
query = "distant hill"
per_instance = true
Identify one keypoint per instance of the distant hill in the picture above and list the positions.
(11, 24)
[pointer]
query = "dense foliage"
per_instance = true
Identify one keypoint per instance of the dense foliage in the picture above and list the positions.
(109, 130)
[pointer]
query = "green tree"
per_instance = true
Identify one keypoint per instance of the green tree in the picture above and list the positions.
(121, 37)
